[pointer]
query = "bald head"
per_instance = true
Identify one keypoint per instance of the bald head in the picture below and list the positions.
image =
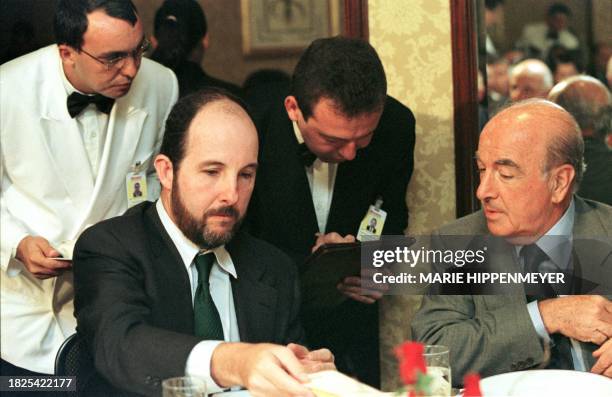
(530, 79)
(544, 125)
(529, 159)
(589, 101)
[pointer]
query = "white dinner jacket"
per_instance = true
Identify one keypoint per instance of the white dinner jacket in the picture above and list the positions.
(48, 189)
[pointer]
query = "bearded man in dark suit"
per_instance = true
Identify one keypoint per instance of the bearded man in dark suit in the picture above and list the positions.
(174, 288)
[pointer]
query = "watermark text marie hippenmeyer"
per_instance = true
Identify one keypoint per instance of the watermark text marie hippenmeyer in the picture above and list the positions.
(449, 258)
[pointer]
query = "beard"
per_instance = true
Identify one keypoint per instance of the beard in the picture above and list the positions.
(198, 230)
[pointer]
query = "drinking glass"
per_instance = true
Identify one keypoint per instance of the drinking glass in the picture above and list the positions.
(184, 386)
(438, 367)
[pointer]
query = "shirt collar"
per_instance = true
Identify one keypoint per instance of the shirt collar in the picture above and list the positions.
(187, 249)
(557, 242)
(298, 133)
(67, 85)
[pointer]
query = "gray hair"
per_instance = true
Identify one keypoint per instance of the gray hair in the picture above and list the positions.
(575, 95)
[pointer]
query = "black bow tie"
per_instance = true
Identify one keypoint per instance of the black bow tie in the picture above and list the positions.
(77, 102)
(306, 155)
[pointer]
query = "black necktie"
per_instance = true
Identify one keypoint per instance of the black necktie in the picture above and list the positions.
(77, 102)
(207, 322)
(560, 350)
(306, 156)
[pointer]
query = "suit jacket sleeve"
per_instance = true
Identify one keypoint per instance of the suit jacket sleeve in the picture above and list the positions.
(113, 316)
(483, 336)
(12, 229)
(485, 333)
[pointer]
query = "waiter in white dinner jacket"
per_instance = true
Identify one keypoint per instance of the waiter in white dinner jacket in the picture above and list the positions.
(80, 122)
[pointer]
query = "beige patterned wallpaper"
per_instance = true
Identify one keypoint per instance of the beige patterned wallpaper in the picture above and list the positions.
(413, 39)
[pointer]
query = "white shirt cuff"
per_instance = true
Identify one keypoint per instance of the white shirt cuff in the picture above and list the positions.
(198, 364)
(536, 319)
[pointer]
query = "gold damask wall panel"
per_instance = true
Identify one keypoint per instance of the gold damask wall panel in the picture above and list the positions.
(413, 39)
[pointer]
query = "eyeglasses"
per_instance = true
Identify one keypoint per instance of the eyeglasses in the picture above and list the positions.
(118, 61)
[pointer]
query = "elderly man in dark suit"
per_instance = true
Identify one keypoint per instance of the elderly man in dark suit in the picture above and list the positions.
(333, 147)
(530, 163)
(174, 288)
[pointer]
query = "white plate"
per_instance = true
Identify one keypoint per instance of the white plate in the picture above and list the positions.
(547, 382)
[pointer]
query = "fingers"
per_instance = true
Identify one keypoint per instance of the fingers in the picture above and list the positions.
(603, 365)
(352, 281)
(318, 366)
(351, 287)
(37, 255)
(349, 238)
(607, 345)
(365, 285)
(299, 350)
(48, 250)
(323, 355)
(359, 298)
(287, 375)
(359, 291)
(291, 364)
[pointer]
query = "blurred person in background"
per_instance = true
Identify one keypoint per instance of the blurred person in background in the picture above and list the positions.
(498, 87)
(180, 40)
(538, 38)
(590, 102)
(530, 79)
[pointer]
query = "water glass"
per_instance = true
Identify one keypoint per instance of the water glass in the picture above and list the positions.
(184, 386)
(438, 367)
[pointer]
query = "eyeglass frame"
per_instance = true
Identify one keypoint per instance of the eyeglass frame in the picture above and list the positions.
(136, 54)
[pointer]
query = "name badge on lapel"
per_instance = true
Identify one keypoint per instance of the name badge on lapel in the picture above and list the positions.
(371, 226)
(136, 185)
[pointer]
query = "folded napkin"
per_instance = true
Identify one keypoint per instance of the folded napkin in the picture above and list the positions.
(336, 384)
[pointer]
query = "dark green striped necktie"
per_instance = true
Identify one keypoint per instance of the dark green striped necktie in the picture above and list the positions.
(207, 323)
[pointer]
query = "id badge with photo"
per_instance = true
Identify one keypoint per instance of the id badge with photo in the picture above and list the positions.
(371, 226)
(136, 188)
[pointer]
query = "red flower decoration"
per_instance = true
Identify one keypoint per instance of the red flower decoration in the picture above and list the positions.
(472, 385)
(411, 361)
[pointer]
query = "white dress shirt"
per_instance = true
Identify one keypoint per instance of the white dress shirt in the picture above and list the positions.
(557, 244)
(321, 179)
(199, 360)
(93, 126)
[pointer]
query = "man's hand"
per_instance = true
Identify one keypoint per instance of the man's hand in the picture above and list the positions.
(313, 361)
(587, 318)
(603, 366)
(332, 238)
(351, 286)
(264, 369)
(37, 255)
(365, 293)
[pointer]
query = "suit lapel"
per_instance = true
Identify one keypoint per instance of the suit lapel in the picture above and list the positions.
(119, 148)
(170, 266)
(593, 250)
(255, 300)
(62, 137)
(280, 158)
